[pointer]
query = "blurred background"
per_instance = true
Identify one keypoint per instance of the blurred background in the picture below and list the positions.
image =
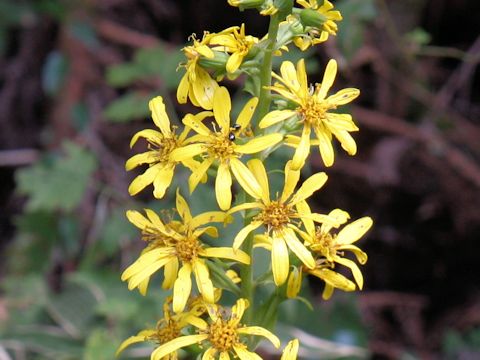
(75, 79)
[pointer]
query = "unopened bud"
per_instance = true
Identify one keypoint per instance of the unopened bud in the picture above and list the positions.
(313, 18)
(218, 62)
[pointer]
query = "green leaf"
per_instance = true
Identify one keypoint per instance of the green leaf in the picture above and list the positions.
(58, 184)
(100, 345)
(133, 105)
(73, 309)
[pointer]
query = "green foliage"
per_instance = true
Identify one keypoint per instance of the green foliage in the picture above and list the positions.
(58, 182)
(156, 64)
(458, 344)
(351, 34)
(132, 105)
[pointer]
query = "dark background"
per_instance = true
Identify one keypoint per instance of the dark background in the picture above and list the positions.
(417, 172)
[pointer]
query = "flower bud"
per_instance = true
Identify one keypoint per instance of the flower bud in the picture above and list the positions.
(246, 4)
(313, 18)
(218, 62)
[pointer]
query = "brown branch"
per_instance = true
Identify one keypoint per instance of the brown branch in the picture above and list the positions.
(124, 35)
(457, 160)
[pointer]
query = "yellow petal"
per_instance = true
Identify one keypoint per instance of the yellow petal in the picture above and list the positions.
(182, 90)
(170, 273)
(247, 112)
(309, 186)
(202, 278)
(334, 279)
(327, 291)
(187, 152)
(205, 51)
(209, 354)
(304, 209)
(302, 75)
(143, 286)
(196, 124)
(159, 116)
(234, 62)
(260, 331)
(172, 346)
(227, 253)
(204, 88)
(290, 351)
(346, 140)
(294, 283)
(150, 135)
(148, 157)
(222, 106)
(338, 217)
(223, 356)
(357, 274)
(245, 206)
(244, 354)
(182, 288)
(298, 248)
(198, 174)
(137, 219)
(291, 180)
(361, 256)
(162, 181)
(242, 234)
(145, 260)
(280, 261)
(328, 79)
(259, 143)
(245, 178)
(239, 309)
(325, 147)
(146, 272)
(223, 184)
(276, 116)
(344, 96)
(354, 231)
(262, 241)
(183, 208)
(209, 217)
(302, 151)
(258, 170)
(145, 179)
(132, 340)
(289, 75)
(341, 121)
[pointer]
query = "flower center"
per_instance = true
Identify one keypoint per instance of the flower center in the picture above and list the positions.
(166, 331)
(275, 215)
(164, 147)
(187, 249)
(313, 112)
(221, 147)
(325, 244)
(223, 335)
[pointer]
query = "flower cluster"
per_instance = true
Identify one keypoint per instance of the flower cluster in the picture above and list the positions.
(210, 142)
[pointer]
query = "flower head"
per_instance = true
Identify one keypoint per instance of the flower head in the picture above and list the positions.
(235, 42)
(158, 157)
(176, 246)
(314, 111)
(167, 329)
(196, 84)
(221, 146)
(280, 218)
(319, 21)
(329, 249)
(223, 335)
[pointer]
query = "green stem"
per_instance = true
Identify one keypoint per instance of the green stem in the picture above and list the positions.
(266, 69)
(246, 273)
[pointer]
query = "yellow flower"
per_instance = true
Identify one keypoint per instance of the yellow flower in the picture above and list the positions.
(329, 249)
(177, 245)
(222, 335)
(220, 146)
(280, 218)
(158, 157)
(168, 328)
(236, 43)
(313, 110)
(196, 84)
(318, 34)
